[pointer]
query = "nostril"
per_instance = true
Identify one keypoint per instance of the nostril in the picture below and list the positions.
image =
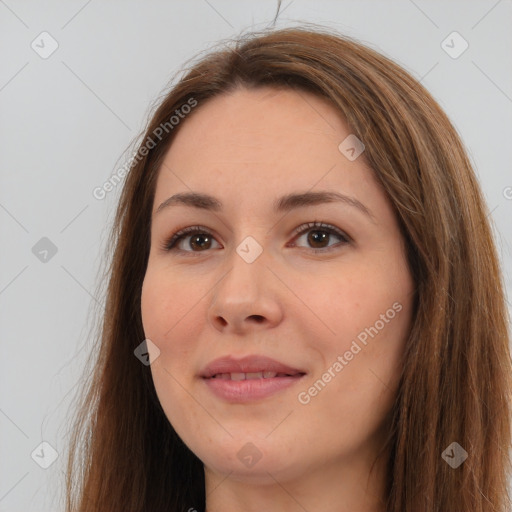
(258, 318)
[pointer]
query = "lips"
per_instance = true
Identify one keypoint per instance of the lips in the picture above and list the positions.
(251, 379)
(248, 368)
(251, 375)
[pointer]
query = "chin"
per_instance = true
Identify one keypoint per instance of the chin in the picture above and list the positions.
(258, 461)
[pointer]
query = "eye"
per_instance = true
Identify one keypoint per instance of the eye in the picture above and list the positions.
(319, 234)
(200, 238)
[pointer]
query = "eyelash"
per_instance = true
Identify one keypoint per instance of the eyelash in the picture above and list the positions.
(170, 244)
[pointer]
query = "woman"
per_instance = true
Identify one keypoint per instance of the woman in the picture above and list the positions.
(305, 309)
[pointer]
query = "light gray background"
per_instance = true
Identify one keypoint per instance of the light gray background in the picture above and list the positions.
(65, 123)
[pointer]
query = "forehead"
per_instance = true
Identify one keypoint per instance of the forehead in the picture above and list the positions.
(260, 143)
(247, 121)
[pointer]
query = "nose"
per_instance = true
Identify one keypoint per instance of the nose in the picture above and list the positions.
(246, 298)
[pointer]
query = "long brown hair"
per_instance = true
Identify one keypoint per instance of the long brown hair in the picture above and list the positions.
(456, 380)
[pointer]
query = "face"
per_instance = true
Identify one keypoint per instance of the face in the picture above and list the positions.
(331, 300)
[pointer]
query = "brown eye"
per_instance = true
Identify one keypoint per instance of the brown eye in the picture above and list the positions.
(199, 240)
(318, 235)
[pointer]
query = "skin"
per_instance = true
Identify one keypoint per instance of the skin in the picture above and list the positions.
(247, 148)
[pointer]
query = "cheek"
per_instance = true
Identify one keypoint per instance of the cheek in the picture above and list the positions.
(348, 301)
(368, 313)
(165, 304)
(186, 416)
(365, 380)
(170, 320)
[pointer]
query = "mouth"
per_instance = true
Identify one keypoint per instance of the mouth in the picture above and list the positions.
(238, 376)
(249, 379)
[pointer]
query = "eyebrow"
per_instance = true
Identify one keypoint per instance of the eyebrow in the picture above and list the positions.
(283, 204)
